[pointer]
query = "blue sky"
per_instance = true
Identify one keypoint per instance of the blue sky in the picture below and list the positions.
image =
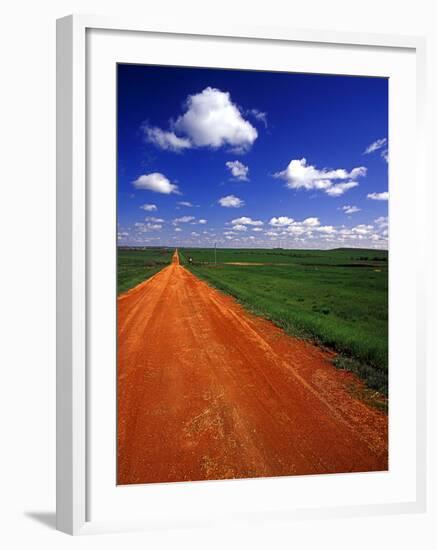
(251, 159)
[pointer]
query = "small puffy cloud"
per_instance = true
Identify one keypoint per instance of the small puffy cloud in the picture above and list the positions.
(184, 219)
(244, 220)
(166, 140)
(231, 201)
(257, 229)
(239, 227)
(213, 120)
(194, 234)
(185, 203)
(153, 219)
(359, 232)
(378, 144)
(307, 227)
(177, 229)
(202, 221)
(281, 221)
(378, 196)
(300, 175)
(362, 229)
(149, 207)
(145, 227)
(348, 209)
(311, 222)
(156, 182)
(238, 170)
(382, 221)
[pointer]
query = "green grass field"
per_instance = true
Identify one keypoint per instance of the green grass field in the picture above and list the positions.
(337, 298)
(135, 266)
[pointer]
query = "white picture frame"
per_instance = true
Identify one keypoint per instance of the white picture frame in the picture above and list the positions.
(73, 470)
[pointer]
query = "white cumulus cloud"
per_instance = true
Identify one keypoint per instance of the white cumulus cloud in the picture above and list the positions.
(307, 226)
(362, 229)
(382, 221)
(300, 175)
(156, 182)
(281, 221)
(238, 170)
(149, 207)
(166, 140)
(212, 120)
(311, 222)
(329, 229)
(378, 196)
(153, 219)
(202, 221)
(310, 233)
(231, 201)
(244, 220)
(145, 227)
(349, 209)
(184, 219)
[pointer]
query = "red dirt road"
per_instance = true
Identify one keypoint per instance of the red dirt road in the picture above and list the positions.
(208, 391)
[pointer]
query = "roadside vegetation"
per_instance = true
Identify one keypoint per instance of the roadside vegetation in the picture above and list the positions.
(135, 265)
(337, 298)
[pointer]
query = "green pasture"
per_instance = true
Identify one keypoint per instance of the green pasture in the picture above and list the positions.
(137, 265)
(337, 298)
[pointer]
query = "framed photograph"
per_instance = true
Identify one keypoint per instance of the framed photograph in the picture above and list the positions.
(240, 275)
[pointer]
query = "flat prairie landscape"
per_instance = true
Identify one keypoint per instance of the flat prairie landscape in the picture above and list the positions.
(208, 390)
(337, 298)
(134, 265)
